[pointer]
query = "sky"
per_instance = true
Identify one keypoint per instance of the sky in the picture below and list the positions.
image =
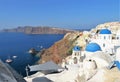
(74, 14)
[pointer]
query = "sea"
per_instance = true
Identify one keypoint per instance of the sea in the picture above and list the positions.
(16, 46)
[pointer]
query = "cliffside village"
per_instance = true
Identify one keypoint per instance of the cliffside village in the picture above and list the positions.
(92, 63)
(97, 61)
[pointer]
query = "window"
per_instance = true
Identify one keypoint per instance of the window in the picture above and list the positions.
(104, 37)
(103, 45)
(75, 60)
(117, 38)
(75, 53)
(90, 60)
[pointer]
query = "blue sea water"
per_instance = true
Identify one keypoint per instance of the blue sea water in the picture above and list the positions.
(18, 44)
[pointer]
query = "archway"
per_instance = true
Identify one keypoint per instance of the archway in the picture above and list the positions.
(75, 60)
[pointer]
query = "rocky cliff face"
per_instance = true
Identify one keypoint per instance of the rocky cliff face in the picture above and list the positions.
(38, 30)
(60, 49)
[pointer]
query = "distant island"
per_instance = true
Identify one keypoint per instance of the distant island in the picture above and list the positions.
(39, 30)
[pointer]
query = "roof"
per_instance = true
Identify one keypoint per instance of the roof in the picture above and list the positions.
(105, 31)
(102, 55)
(48, 66)
(92, 47)
(102, 59)
(41, 79)
(76, 48)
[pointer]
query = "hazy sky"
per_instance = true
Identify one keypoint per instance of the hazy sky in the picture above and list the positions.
(58, 13)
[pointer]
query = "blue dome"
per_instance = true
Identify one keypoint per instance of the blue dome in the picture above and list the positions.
(92, 47)
(105, 31)
(76, 48)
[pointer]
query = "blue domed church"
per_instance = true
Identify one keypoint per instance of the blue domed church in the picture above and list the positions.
(105, 31)
(104, 39)
(91, 48)
(76, 53)
(105, 34)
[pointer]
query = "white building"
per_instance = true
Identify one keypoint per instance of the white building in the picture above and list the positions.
(100, 58)
(108, 42)
(104, 39)
(76, 54)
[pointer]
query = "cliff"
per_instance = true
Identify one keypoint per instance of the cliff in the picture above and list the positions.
(60, 49)
(38, 30)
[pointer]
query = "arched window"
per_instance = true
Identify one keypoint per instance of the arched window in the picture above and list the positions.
(75, 60)
(104, 45)
(104, 37)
